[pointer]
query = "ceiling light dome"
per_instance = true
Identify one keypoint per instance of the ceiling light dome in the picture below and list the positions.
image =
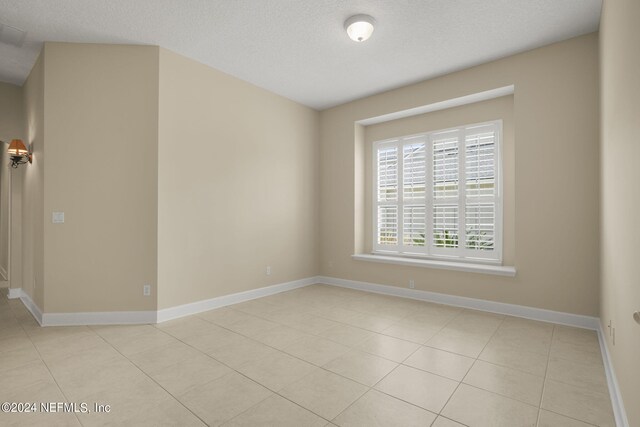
(359, 27)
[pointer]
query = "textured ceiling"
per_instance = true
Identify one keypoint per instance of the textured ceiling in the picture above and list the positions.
(298, 48)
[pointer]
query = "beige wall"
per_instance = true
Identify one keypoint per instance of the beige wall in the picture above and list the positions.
(238, 185)
(556, 184)
(11, 126)
(101, 125)
(620, 96)
(33, 186)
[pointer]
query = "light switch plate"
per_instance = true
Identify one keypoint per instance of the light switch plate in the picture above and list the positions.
(57, 217)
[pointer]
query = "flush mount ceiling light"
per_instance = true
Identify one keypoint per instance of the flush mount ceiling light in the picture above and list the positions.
(359, 27)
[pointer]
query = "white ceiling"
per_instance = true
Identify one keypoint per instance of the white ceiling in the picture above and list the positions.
(298, 48)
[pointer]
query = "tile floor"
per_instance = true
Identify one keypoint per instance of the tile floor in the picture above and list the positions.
(315, 356)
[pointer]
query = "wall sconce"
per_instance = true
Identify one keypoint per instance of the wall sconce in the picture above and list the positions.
(18, 153)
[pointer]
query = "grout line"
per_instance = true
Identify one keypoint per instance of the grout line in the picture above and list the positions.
(150, 377)
(46, 366)
(474, 362)
(546, 369)
(245, 376)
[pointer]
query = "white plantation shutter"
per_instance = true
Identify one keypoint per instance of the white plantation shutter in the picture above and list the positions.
(480, 188)
(446, 175)
(387, 197)
(387, 225)
(414, 164)
(388, 174)
(438, 194)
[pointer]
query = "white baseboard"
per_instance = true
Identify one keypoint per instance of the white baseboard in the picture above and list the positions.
(533, 313)
(31, 306)
(210, 304)
(152, 316)
(14, 293)
(99, 318)
(614, 390)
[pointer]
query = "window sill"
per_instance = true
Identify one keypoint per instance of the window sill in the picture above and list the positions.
(498, 270)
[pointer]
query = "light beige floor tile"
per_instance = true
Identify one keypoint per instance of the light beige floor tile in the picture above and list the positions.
(158, 359)
(522, 341)
(67, 345)
(186, 327)
(550, 419)
(109, 332)
(13, 380)
(513, 357)
(474, 323)
(310, 324)
(376, 409)
(83, 360)
(280, 337)
(224, 316)
(251, 326)
(39, 392)
(587, 375)
(420, 388)
(39, 419)
(11, 329)
(324, 393)
(579, 403)
(446, 422)
(257, 307)
(182, 376)
(507, 382)
(224, 398)
(578, 336)
(40, 335)
(113, 375)
(362, 367)
(316, 350)
(440, 362)
(414, 332)
(372, 322)
(337, 314)
(87, 364)
(241, 351)
(576, 352)
(215, 338)
(277, 370)
(439, 310)
(528, 327)
(14, 358)
(139, 404)
(347, 335)
(475, 407)
(464, 344)
(15, 342)
(276, 411)
(388, 347)
(148, 340)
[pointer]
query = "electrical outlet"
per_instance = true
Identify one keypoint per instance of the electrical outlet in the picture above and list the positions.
(268, 270)
(146, 290)
(412, 284)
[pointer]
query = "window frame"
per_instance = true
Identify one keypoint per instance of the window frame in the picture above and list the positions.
(429, 251)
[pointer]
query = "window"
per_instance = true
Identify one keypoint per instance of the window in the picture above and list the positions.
(438, 194)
